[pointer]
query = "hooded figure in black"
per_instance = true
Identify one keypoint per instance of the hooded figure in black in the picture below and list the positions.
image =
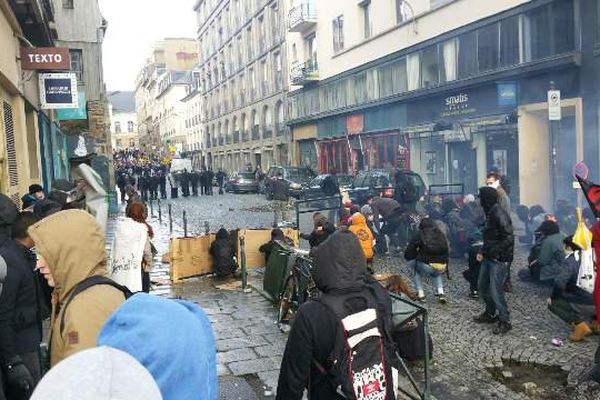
(223, 253)
(340, 269)
(498, 236)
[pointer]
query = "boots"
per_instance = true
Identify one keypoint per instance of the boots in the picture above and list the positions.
(595, 327)
(580, 331)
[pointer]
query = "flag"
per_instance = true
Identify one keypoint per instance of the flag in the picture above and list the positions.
(592, 194)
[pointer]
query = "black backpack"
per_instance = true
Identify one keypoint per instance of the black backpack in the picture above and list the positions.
(363, 357)
(88, 283)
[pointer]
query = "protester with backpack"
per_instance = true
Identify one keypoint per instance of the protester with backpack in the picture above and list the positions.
(352, 318)
(223, 254)
(72, 252)
(427, 253)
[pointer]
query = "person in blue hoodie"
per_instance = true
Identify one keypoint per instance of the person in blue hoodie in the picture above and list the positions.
(173, 339)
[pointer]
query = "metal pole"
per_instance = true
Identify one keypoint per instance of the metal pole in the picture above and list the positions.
(243, 263)
(159, 212)
(171, 217)
(185, 231)
(152, 208)
(553, 140)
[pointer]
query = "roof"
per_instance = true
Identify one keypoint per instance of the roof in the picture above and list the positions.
(122, 101)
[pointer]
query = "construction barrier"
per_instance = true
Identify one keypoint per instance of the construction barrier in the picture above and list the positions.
(190, 257)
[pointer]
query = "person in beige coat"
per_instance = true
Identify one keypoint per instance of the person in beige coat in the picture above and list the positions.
(71, 248)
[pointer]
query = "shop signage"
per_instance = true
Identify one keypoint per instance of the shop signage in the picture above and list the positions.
(69, 114)
(58, 91)
(355, 124)
(457, 105)
(507, 94)
(554, 111)
(45, 58)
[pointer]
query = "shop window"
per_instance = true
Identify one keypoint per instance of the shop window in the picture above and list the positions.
(430, 67)
(509, 41)
(467, 55)
(487, 47)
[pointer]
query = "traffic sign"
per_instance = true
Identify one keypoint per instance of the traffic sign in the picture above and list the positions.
(581, 170)
(554, 111)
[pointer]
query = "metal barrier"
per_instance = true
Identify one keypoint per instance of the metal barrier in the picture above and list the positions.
(447, 189)
(337, 200)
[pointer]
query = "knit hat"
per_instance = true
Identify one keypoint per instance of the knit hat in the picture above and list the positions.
(98, 373)
(35, 188)
(173, 339)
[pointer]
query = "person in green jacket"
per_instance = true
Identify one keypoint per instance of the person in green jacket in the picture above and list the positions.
(546, 267)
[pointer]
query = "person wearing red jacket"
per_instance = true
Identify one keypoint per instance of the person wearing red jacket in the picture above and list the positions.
(596, 245)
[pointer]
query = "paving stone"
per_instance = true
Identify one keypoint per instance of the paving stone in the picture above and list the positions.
(253, 366)
(238, 343)
(236, 355)
(271, 350)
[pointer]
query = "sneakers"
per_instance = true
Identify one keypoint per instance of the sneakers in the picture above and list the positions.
(502, 328)
(580, 331)
(485, 318)
(441, 298)
(474, 295)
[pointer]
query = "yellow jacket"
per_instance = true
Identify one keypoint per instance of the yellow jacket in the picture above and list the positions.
(359, 227)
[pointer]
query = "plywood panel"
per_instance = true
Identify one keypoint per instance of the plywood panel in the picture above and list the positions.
(257, 237)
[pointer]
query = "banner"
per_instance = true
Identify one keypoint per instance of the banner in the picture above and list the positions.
(127, 254)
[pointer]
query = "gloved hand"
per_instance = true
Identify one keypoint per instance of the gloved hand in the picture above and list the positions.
(18, 375)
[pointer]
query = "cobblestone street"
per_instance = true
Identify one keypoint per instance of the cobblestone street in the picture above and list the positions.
(468, 363)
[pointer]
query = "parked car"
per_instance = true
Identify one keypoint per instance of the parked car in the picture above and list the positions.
(297, 178)
(242, 182)
(371, 183)
(314, 191)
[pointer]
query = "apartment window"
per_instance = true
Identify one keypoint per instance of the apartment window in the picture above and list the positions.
(509, 41)
(250, 40)
(77, 63)
(294, 53)
(430, 67)
(563, 26)
(338, 34)
(467, 57)
(413, 71)
(538, 41)
(597, 21)
(392, 78)
(117, 126)
(68, 4)
(448, 61)
(130, 126)
(401, 11)
(366, 13)
(311, 51)
(275, 22)
(487, 47)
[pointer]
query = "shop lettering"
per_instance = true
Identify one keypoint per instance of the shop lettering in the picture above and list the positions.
(45, 58)
(456, 100)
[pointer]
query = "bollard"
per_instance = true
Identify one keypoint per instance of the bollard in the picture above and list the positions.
(171, 218)
(151, 208)
(243, 263)
(185, 224)
(159, 213)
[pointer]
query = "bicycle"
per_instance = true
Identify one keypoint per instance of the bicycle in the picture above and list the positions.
(298, 288)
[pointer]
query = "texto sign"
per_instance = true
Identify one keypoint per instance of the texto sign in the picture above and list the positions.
(46, 58)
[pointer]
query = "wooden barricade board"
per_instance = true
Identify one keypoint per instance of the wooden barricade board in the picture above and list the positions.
(190, 256)
(256, 238)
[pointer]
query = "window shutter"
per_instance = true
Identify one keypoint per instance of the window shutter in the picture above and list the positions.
(9, 127)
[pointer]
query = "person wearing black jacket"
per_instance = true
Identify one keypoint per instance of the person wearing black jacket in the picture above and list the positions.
(162, 183)
(194, 180)
(210, 175)
(427, 253)
(281, 196)
(277, 235)
(312, 338)
(331, 188)
(496, 256)
(322, 229)
(20, 313)
(223, 253)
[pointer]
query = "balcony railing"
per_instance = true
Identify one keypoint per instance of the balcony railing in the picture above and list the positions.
(302, 17)
(255, 132)
(306, 72)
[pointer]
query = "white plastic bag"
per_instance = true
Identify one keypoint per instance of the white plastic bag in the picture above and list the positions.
(587, 270)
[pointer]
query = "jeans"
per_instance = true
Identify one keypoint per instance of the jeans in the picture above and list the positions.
(572, 313)
(279, 208)
(491, 281)
(421, 269)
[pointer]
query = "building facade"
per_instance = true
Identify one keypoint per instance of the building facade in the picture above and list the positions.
(195, 140)
(23, 124)
(243, 80)
(168, 55)
(123, 121)
(449, 89)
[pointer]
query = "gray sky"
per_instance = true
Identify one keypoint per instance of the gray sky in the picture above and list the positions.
(133, 26)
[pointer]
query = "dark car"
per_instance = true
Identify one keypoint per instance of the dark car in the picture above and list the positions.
(371, 183)
(314, 190)
(242, 182)
(297, 178)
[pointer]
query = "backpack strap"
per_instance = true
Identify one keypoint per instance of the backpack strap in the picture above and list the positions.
(88, 283)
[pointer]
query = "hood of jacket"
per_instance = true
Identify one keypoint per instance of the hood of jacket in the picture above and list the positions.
(359, 219)
(222, 234)
(180, 351)
(73, 245)
(340, 263)
(548, 228)
(488, 197)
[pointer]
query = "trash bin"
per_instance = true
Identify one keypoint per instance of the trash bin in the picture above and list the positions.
(276, 272)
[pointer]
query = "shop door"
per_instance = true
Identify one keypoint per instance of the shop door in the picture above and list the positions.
(566, 158)
(463, 166)
(502, 149)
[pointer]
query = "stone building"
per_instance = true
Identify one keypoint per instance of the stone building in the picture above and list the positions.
(123, 120)
(448, 88)
(243, 80)
(171, 55)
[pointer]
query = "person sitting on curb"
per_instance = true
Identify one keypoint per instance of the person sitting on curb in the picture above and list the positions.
(427, 253)
(570, 303)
